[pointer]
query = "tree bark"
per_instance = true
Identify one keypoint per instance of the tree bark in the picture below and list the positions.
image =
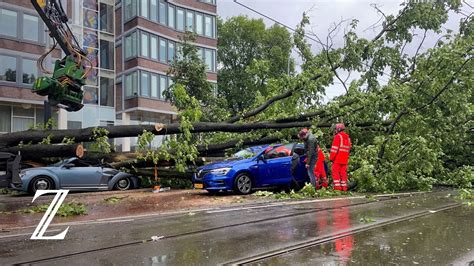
(40, 151)
(80, 135)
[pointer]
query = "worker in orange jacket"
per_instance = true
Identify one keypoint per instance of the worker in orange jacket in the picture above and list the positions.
(320, 170)
(339, 156)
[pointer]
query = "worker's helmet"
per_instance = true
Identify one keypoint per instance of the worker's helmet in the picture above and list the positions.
(303, 132)
(340, 127)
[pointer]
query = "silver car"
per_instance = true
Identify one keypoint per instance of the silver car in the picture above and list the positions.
(75, 174)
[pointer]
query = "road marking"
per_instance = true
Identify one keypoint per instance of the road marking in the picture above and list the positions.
(27, 234)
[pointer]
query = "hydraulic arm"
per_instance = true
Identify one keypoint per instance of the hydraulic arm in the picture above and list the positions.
(63, 88)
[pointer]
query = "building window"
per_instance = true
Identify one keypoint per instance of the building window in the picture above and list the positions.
(131, 45)
(6, 115)
(8, 22)
(200, 53)
(22, 119)
(154, 47)
(179, 51)
(90, 95)
(154, 10)
(189, 20)
(171, 49)
(144, 8)
(208, 1)
(106, 55)
(30, 28)
(30, 72)
(106, 92)
(208, 26)
(163, 81)
(144, 84)
(155, 89)
(130, 9)
(180, 19)
(199, 24)
(144, 45)
(131, 84)
(106, 18)
(7, 68)
(171, 16)
(74, 124)
(162, 50)
(162, 12)
(208, 59)
(214, 27)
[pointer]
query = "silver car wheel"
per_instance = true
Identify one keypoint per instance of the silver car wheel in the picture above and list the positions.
(42, 183)
(244, 184)
(123, 184)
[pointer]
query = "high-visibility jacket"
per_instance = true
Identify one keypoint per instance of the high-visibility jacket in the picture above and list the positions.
(341, 146)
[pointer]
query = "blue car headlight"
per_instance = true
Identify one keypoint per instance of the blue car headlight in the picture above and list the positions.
(221, 171)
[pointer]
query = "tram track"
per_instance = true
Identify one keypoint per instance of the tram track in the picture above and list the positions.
(301, 212)
(325, 239)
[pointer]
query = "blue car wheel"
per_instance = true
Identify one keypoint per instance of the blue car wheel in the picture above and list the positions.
(243, 184)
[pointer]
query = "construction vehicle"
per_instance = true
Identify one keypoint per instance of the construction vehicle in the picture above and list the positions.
(64, 87)
(9, 169)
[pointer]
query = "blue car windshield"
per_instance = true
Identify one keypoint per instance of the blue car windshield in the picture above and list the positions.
(249, 152)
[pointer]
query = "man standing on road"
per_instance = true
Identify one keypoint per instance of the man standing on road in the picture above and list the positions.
(311, 149)
(339, 156)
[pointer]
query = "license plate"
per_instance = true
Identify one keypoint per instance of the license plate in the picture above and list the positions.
(200, 186)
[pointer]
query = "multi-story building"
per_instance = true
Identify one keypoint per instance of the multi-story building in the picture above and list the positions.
(147, 41)
(23, 39)
(131, 44)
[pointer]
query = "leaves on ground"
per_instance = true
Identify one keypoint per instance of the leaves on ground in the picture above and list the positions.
(114, 199)
(308, 191)
(65, 210)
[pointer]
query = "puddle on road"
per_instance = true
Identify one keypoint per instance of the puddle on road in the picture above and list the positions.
(443, 238)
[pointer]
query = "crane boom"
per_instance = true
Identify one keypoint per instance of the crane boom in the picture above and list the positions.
(64, 88)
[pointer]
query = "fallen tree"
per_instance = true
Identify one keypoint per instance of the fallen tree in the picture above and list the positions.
(40, 151)
(84, 135)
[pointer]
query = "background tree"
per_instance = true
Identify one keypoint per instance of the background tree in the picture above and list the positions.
(189, 70)
(249, 55)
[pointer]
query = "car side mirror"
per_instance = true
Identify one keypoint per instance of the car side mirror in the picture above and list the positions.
(68, 165)
(261, 158)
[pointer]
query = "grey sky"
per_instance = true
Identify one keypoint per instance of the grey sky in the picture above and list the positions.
(323, 14)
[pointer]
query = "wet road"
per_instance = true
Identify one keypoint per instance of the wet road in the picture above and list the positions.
(422, 228)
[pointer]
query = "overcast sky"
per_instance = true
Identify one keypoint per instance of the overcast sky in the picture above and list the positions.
(323, 14)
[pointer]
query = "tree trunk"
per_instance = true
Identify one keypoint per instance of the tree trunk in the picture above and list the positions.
(41, 151)
(80, 135)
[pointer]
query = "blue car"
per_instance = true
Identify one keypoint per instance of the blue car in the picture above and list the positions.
(262, 168)
(74, 174)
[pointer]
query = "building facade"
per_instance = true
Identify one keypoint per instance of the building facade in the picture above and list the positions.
(24, 38)
(147, 41)
(131, 44)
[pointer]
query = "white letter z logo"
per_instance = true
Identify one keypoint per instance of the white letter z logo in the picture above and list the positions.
(49, 215)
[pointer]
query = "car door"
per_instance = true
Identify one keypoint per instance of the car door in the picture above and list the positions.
(276, 167)
(80, 176)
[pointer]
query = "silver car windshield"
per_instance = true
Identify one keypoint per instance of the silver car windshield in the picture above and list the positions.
(58, 163)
